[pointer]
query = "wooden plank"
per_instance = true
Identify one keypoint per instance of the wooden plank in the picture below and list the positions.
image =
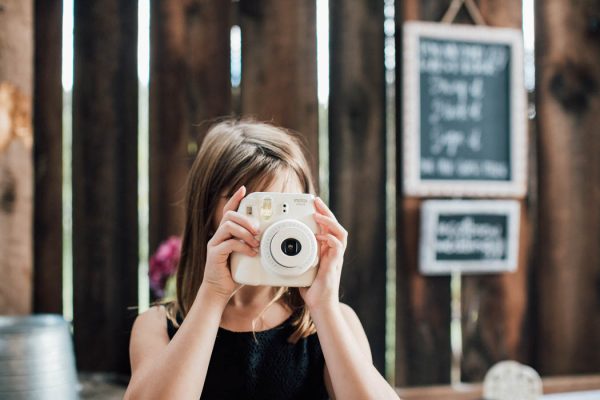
(189, 84)
(357, 148)
(16, 140)
(279, 67)
(562, 384)
(47, 223)
(105, 228)
(494, 307)
(423, 309)
(423, 303)
(568, 110)
(494, 310)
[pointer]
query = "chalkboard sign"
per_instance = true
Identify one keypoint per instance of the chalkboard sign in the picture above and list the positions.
(464, 111)
(469, 236)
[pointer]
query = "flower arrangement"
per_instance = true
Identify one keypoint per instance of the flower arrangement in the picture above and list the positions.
(163, 265)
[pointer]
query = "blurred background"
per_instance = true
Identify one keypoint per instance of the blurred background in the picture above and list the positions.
(104, 104)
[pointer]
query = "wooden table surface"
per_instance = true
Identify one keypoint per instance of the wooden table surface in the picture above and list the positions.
(563, 384)
(105, 387)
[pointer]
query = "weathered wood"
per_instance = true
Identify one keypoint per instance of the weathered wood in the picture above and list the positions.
(16, 140)
(494, 311)
(423, 309)
(47, 224)
(423, 303)
(16, 46)
(279, 66)
(105, 228)
(357, 148)
(189, 85)
(568, 110)
(494, 307)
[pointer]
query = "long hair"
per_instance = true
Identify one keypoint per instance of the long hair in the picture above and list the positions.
(236, 152)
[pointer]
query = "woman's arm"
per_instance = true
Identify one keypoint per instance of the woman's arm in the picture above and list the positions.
(175, 369)
(349, 372)
(349, 367)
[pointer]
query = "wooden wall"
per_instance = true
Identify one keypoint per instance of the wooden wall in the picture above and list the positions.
(545, 315)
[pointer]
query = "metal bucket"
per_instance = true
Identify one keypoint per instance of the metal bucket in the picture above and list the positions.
(36, 358)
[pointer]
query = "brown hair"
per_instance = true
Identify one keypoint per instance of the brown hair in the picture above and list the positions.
(236, 152)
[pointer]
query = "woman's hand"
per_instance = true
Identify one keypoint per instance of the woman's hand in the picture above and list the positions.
(333, 239)
(236, 232)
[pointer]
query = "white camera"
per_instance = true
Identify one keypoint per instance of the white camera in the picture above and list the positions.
(288, 251)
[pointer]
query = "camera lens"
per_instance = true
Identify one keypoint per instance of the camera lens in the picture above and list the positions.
(291, 247)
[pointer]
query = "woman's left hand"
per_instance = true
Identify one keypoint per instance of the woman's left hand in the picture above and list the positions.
(333, 239)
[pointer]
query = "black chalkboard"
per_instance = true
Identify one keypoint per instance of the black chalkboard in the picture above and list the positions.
(480, 237)
(465, 110)
(464, 115)
(469, 236)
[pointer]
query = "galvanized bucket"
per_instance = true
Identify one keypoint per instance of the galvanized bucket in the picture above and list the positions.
(36, 358)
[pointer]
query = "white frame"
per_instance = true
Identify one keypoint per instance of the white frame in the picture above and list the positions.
(430, 212)
(413, 185)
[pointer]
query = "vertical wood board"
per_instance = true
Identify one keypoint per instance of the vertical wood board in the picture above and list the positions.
(189, 88)
(357, 149)
(48, 101)
(105, 225)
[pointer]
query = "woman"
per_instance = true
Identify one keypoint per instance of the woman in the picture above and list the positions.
(222, 340)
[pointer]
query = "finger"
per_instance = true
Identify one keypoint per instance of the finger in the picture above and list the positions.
(333, 226)
(231, 245)
(229, 229)
(242, 220)
(332, 242)
(322, 207)
(235, 199)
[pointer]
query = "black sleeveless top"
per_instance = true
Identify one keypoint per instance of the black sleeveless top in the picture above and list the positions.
(269, 367)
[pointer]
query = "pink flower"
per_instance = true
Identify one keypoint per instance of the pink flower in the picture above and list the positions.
(163, 264)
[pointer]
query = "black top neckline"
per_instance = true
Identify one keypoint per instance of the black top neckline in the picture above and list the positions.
(280, 326)
(284, 324)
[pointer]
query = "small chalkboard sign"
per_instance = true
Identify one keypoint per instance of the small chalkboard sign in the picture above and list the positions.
(464, 111)
(469, 236)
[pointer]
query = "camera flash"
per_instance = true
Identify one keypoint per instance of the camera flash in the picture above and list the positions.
(266, 211)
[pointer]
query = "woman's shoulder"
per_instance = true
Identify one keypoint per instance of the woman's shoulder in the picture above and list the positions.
(147, 335)
(152, 320)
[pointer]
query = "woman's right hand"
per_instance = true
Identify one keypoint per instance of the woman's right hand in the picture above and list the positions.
(236, 232)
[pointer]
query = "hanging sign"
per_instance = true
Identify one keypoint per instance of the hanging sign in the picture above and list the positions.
(464, 111)
(469, 236)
